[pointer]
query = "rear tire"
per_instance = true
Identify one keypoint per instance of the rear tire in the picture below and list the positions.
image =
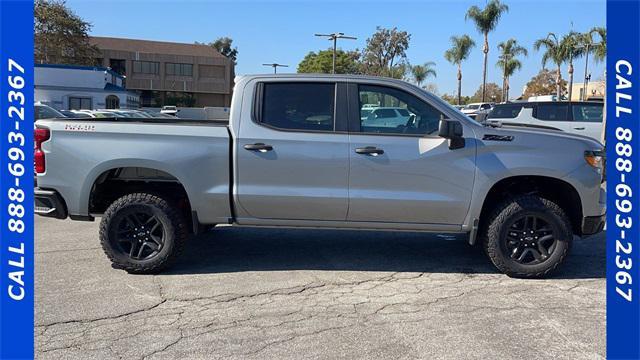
(527, 237)
(142, 233)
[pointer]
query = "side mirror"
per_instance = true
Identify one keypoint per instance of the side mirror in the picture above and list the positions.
(452, 130)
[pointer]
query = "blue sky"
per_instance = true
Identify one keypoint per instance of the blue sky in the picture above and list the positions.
(283, 31)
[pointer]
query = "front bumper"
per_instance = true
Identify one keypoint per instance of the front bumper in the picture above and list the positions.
(49, 203)
(593, 224)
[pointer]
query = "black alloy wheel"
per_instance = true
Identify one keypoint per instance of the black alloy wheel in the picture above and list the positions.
(139, 233)
(143, 233)
(530, 239)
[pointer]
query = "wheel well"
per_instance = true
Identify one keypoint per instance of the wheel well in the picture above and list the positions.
(556, 190)
(115, 183)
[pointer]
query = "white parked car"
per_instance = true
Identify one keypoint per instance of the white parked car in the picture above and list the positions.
(474, 109)
(384, 116)
(169, 110)
(584, 118)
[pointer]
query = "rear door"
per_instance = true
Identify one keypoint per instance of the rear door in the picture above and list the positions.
(406, 173)
(292, 152)
(587, 118)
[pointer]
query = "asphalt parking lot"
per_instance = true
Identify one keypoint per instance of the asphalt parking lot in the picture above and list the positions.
(273, 294)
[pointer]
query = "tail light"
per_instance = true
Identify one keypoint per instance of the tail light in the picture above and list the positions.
(39, 136)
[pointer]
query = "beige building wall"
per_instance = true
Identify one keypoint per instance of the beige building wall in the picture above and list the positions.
(595, 90)
(209, 84)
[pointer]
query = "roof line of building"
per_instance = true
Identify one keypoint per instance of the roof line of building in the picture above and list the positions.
(80, 67)
(106, 89)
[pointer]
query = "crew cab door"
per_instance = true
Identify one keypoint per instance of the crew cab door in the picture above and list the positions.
(588, 117)
(406, 173)
(292, 152)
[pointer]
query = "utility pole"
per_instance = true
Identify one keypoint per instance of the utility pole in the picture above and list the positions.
(334, 37)
(275, 66)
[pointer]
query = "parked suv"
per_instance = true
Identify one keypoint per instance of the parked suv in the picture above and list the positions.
(385, 116)
(584, 118)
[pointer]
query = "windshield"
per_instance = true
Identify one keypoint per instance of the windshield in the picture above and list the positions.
(472, 107)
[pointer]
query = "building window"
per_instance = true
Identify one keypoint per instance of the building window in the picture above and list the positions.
(179, 69)
(146, 67)
(79, 103)
(113, 102)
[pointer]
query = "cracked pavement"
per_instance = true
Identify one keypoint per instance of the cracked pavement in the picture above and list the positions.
(244, 293)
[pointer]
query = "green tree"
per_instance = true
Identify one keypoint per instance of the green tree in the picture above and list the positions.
(60, 36)
(509, 51)
(544, 83)
(600, 51)
(224, 45)
(555, 53)
(385, 53)
(422, 72)
(460, 49)
(570, 44)
(486, 21)
(492, 92)
(347, 62)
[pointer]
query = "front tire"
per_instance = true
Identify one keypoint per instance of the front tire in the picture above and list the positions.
(142, 233)
(528, 237)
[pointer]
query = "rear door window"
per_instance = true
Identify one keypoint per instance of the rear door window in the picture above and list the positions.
(552, 112)
(299, 106)
(505, 111)
(587, 112)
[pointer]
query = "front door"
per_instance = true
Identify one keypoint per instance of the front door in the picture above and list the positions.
(292, 158)
(405, 173)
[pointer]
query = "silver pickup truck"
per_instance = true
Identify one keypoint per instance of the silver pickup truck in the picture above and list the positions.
(296, 152)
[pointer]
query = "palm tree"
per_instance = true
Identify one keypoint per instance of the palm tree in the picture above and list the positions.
(460, 49)
(421, 72)
(572, 49)
(509, 50)
(554, 53)
(600, 51)
(591, 46)
(486, 21)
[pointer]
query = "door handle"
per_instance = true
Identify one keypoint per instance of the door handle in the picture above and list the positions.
(258, 147)
(579, 128)
(369, 150)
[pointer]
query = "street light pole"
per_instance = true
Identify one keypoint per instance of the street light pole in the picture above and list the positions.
(275, 66)
(334, 37)
(586, 81)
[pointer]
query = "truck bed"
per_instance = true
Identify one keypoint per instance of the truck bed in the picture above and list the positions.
(193, 153)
